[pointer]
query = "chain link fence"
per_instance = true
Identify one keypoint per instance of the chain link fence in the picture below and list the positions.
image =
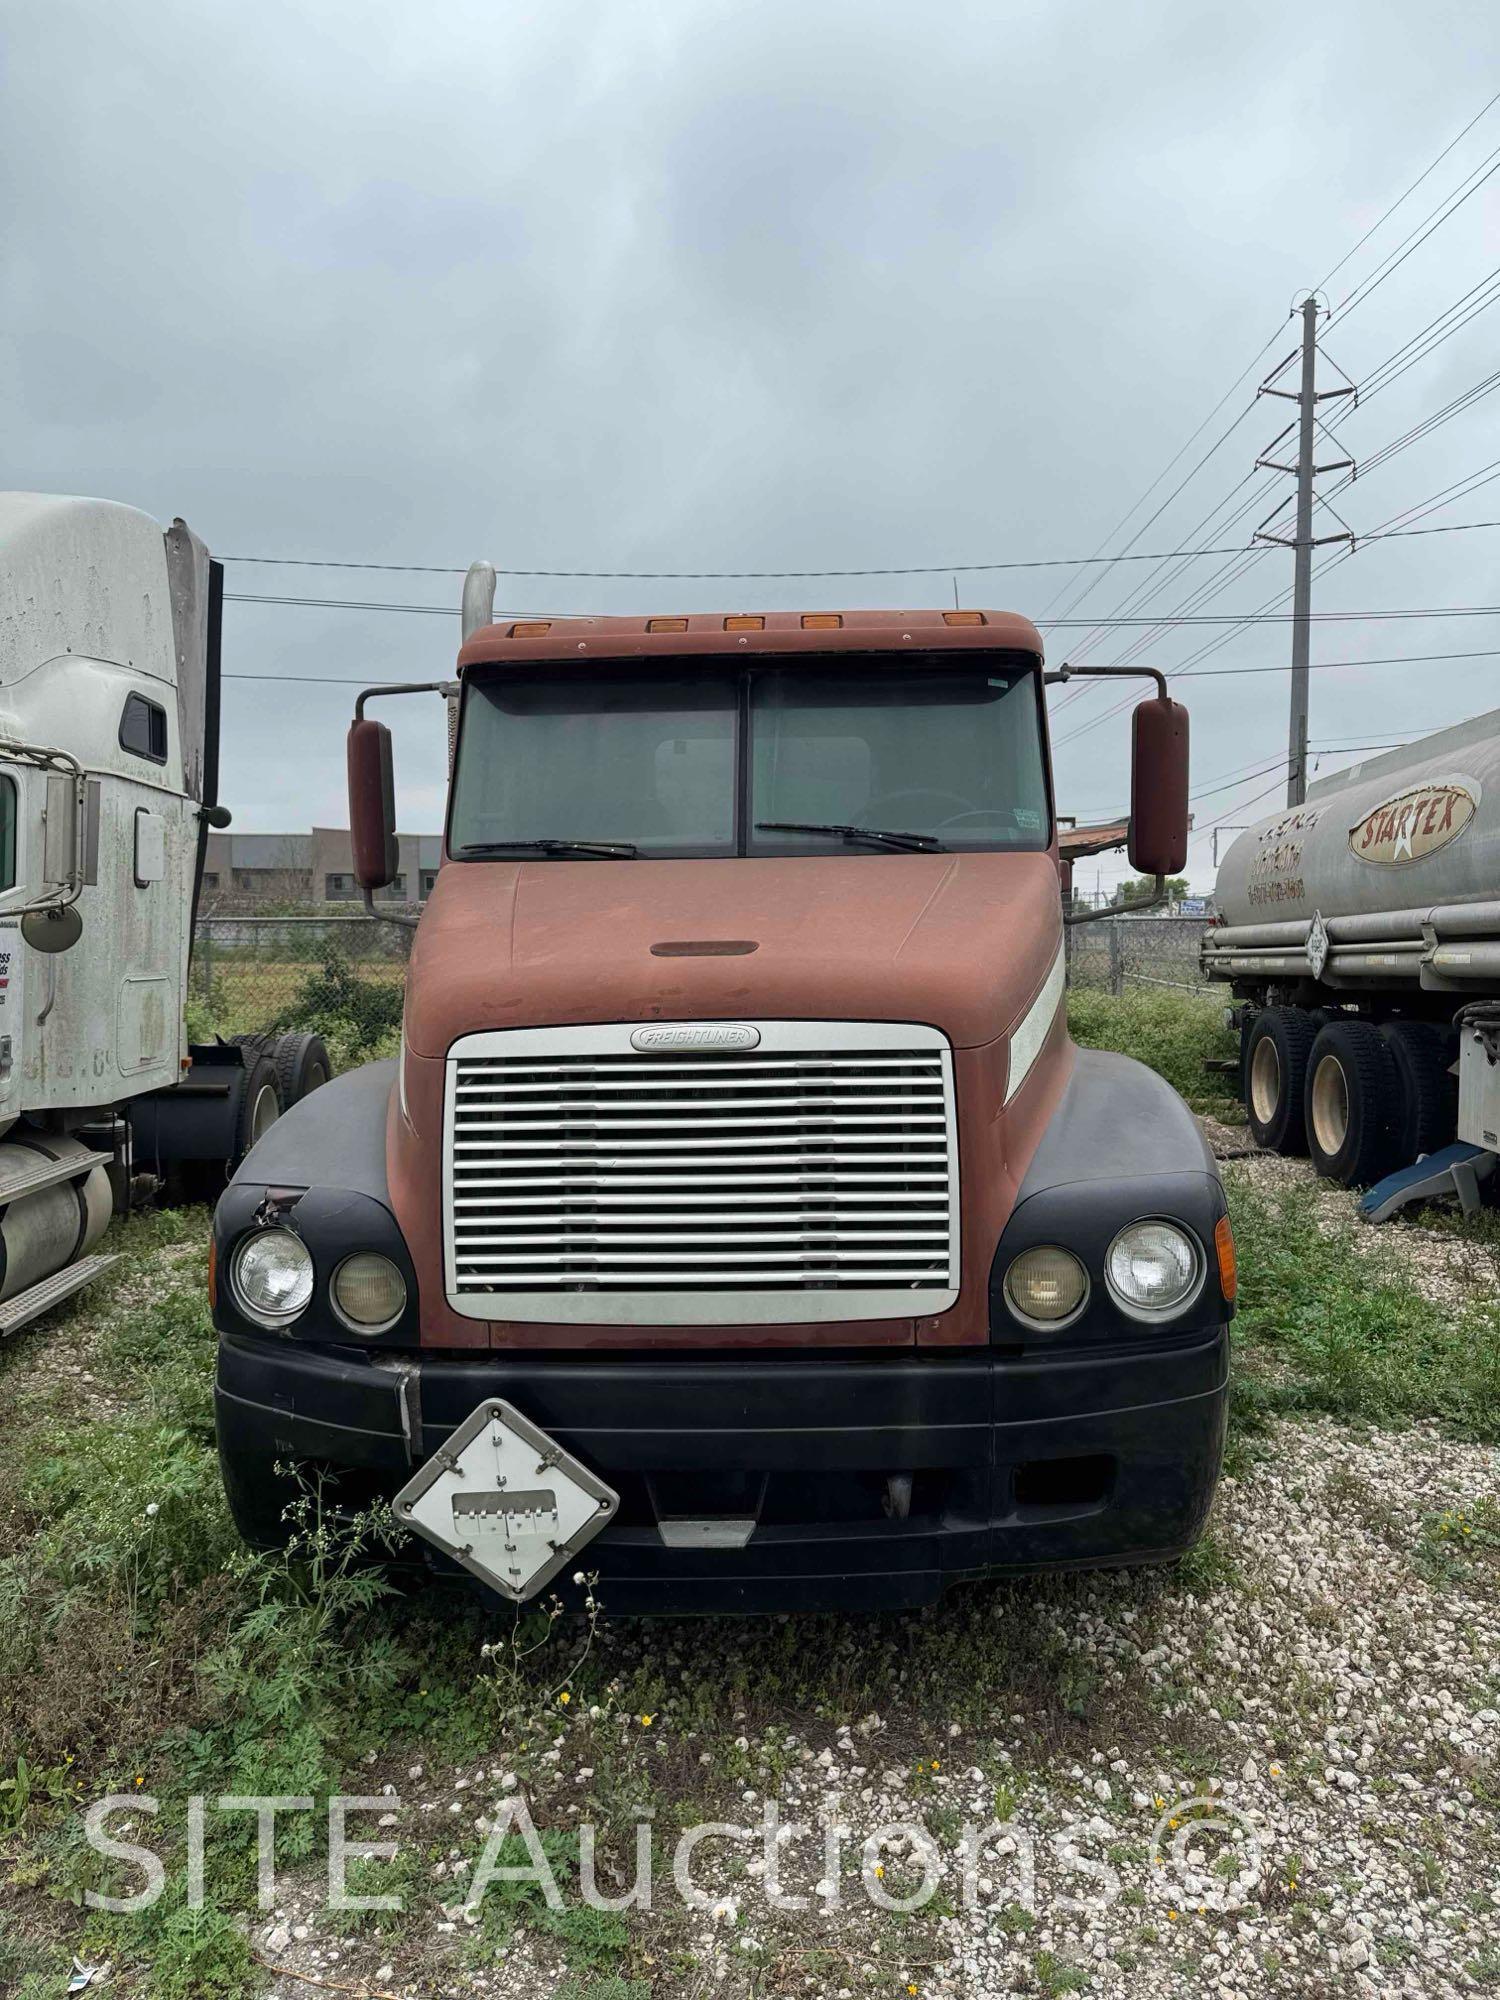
(344, 977)
(1119, 952)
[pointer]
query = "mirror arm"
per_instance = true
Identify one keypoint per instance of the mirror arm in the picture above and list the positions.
(1157, 897)
(1067, 673)
(58, 763)
(387, 916)
(444, 688)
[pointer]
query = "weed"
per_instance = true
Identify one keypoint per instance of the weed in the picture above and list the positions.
(356, 1013)
(1453, 1541)
(1322, 1327)
(1056, 1975)
(1208, 1565)
(1176, 1034)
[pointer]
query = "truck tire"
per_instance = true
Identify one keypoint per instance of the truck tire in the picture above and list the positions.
(1353, 1104)
(302, 1065)
(260, 1106)
(1276, 1052)
(1429, 1095)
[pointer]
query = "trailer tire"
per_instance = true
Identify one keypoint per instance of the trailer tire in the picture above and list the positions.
(302, 1065)
(1429, 1095)
(1354, 1104)
(1277, 1047)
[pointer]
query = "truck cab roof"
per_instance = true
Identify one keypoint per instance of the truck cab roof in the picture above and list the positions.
(740, 633)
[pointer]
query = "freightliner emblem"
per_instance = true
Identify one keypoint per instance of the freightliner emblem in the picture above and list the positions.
(697, 1035)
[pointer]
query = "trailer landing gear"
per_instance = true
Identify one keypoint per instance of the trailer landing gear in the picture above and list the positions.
(1456, 1170)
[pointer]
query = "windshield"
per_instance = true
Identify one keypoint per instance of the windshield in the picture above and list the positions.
(672, 762)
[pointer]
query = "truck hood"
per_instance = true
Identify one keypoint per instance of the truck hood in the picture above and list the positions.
(958, 941)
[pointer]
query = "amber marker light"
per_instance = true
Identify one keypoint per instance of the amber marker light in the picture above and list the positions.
(822, 621)
(745, 623)
(1229, 1277)
(534, 628)
(964, 618)
(666, 625)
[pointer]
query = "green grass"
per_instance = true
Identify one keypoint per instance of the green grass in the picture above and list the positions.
(1174, 1033)
(139, 1641)
(1324, 1326)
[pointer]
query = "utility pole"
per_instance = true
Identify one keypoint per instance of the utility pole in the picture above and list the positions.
(1303, 541)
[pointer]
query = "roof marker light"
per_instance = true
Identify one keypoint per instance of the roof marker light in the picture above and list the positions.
(964, 618)
(745, 622)
(534, 628)
(666, 624)
(822, 621)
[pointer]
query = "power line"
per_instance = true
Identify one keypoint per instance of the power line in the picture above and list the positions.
(1184, 673)
(1322, 666)
(1165, 621)
(1345, 259)
(1430, 168)
(1449, 206)
(1396, 524)
(772, 575)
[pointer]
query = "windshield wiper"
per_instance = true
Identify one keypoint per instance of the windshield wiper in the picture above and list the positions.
(607, 850)
(917, 843)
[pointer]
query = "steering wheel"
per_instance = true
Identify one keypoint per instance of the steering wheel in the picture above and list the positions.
(878, 806)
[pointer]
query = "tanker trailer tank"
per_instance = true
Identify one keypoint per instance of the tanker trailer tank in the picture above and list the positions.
(1352, 931)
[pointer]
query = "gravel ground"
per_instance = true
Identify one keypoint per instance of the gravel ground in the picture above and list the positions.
(1331, 1701)
(1448, 1269)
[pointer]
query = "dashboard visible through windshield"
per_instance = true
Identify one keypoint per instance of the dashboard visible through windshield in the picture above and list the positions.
(843, 757)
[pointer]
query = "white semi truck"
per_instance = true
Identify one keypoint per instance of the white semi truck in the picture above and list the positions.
(109, 725)
(1360, 935)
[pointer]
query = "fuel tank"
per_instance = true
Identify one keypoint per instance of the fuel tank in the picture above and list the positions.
(1414, 829)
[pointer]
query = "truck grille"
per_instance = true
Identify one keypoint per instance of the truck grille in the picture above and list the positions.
(811, 1176)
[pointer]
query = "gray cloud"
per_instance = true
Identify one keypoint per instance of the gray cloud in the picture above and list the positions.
(689, 285)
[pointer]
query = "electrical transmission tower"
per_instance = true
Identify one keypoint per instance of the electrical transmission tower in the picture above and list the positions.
(1303, 541)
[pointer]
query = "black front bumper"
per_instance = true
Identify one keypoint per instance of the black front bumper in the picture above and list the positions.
(1014, 1463)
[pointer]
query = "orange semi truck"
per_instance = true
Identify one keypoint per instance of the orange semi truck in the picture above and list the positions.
(739, 1225)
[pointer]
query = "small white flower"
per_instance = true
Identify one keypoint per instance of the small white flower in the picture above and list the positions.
(579, 1577)
(151, 1508)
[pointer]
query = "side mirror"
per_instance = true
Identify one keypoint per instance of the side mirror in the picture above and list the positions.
(52, 930)
(1158, 841)
(372, 805)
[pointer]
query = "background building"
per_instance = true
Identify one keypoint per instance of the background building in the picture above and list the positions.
(245, 871)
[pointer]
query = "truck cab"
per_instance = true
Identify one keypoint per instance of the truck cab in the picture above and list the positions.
(109, 683)
(739, 1219)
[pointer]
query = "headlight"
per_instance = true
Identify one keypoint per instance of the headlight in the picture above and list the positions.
(1046, 1285)
(271, 1275)
(1153, 1269)
(369, 1293)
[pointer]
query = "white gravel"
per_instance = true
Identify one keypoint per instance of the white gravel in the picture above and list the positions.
(1324, 1701)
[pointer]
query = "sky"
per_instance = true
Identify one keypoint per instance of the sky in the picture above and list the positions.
(792, 285)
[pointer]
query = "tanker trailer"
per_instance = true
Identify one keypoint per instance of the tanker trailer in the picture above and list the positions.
(1360, 935)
